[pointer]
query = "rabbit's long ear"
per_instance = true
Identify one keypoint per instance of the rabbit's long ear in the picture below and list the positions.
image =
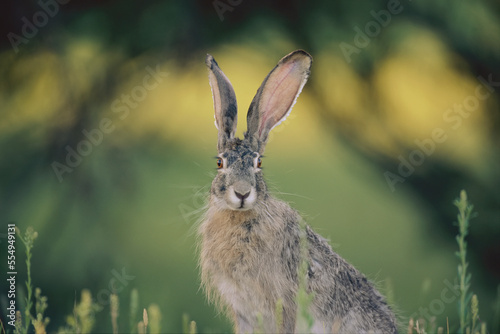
(276, 96)
(224, 103)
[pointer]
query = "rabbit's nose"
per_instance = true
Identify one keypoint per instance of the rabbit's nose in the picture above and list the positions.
(241, 196)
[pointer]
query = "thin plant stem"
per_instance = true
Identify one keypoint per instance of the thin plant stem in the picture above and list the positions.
(463, 218)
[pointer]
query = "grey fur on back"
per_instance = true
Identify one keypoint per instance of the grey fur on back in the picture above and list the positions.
(251, 242)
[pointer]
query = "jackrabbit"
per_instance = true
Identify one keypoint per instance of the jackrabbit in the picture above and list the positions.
(251, 242)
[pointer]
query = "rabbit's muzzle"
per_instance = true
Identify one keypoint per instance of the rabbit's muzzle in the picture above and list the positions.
(241, 196)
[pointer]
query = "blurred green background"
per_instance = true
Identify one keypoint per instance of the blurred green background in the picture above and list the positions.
(394, 85)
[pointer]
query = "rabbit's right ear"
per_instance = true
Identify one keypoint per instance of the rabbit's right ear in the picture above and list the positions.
(224, 103)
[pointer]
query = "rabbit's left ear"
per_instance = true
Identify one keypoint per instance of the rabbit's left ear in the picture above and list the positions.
(276, 96)
(224, 103)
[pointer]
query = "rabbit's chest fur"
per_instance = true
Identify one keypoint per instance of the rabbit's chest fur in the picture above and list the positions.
(250, 258)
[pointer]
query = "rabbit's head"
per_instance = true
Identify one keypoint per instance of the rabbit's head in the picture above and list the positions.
(239, 184)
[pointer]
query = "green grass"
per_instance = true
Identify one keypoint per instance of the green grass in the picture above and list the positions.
(464, 216)
(468, 304)
(81, 319)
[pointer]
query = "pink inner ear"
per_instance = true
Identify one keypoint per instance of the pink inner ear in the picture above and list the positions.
(279, 94)
(216, 98)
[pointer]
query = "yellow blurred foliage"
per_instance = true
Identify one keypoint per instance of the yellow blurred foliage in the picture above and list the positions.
(415, 88)
(180, 109)
(412, 91)
(36, 95)
(404, 100)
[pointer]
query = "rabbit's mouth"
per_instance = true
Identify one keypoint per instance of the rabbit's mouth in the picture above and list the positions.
(241, 199)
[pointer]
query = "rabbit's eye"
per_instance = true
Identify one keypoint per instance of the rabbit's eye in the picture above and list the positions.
(220, 163)
(259, 162)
